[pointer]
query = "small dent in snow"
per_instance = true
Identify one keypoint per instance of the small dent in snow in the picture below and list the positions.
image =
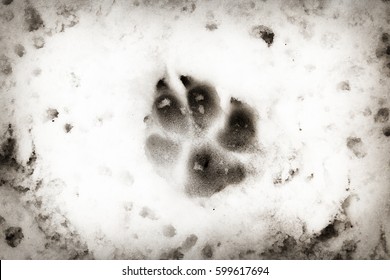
(189, 242)
(32, 19)
(344, 85)
(211, 26)
(39, 42)
(7, 15)
(356, 146)
(8, 150)
(75, 80)
(385, 38)
(67, 17)
(382, 115)
(386, 131)
(169, 231)
(314, 7)
(207, 252)
(190, 8)
(263, 32)
(148, 213)
(19, 50)
(5, 65)
(173, 254)
(367, 112)
(37, 71)
(383, 50)
(52, 114)
(68, 127)
(13, 236)
(384, 46)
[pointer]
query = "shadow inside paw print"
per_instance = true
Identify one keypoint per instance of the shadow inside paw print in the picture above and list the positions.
(211, 171)
(203, 102)
(211, 161)
(239, 133)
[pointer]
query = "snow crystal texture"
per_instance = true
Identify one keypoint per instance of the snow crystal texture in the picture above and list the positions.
(193, 129)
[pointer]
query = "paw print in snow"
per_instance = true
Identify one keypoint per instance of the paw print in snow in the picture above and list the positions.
(186, 129)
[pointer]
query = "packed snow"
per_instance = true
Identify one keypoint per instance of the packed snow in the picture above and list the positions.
(78, 82)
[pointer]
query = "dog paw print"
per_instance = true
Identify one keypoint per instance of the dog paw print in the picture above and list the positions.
(194, 129)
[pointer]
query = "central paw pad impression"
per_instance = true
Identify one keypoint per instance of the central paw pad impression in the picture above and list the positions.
(188, 128)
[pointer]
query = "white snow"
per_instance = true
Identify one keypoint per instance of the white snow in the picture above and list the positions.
(100, 76)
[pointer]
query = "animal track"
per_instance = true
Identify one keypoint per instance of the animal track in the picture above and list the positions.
(186, 128)
(240, 132)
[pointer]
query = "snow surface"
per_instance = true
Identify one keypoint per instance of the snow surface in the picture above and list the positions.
(78, 97)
